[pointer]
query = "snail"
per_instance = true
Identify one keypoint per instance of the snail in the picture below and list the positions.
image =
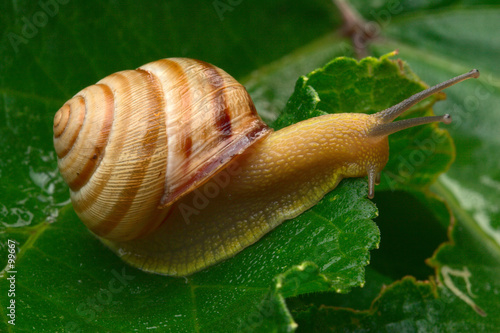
(172, 168)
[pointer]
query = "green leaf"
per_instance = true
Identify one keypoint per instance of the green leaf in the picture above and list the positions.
(68, 281)
(447, 305)
(405, 306)
(336, 240)
(65, 279)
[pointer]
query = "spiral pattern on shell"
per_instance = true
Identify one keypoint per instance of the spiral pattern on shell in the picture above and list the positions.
(140, 139)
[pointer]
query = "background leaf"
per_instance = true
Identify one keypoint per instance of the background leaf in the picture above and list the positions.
(68, 281)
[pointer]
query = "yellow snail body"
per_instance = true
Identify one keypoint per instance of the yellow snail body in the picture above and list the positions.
(172, 168)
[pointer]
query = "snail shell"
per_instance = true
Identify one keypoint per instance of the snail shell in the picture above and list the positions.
(141, 139)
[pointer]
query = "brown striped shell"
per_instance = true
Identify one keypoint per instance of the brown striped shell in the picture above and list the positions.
(140, 139)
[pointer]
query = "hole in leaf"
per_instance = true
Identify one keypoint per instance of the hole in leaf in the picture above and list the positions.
(410, 233)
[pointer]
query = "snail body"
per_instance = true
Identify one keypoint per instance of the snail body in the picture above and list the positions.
(172, 168)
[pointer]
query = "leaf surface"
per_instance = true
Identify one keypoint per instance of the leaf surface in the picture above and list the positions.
(67, 281)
